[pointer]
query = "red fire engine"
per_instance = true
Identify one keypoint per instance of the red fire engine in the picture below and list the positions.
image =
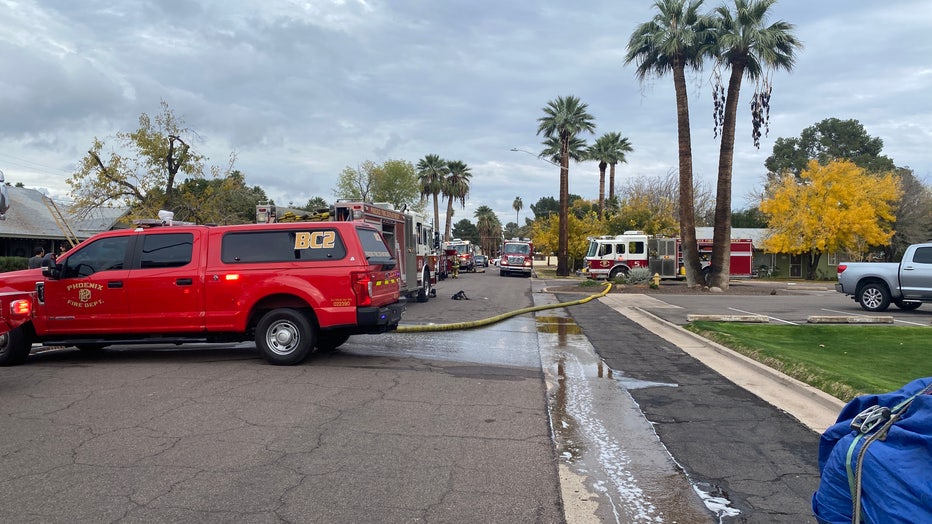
(411, 236)
(517, 257)
(611, 256)
(464, 250)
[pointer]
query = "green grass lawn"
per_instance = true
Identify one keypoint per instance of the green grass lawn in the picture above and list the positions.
(842, 360)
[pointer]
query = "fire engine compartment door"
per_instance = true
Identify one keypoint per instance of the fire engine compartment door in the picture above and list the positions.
(663, 257)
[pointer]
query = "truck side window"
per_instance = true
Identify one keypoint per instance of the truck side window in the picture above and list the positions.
(923, 255)
(100, 255)
(635, 247)
(282, 246)
(166, 250)
(605, 249)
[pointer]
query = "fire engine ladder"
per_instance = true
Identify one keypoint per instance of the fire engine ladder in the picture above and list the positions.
(60, 220)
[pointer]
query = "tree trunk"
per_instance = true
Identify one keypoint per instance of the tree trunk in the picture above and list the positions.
(436, 215)
(687, 205)
(602, 166)
(611, 181)
(721, 238)
(446, 231)
(814, 257)
(563, 245)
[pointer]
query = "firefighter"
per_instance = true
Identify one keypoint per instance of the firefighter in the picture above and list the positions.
(456, 266)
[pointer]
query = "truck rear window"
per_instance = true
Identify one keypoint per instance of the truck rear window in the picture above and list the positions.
(373, 244)
(282, 246)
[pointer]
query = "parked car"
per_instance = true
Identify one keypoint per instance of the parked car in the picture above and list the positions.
(874, 285)
(482, 261)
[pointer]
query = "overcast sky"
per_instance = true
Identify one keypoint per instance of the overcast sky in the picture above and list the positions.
(299, 90)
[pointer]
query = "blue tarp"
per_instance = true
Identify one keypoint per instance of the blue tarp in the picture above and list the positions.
(896, 479)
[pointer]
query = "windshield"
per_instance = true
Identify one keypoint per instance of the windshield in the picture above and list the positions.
(517, 249)
(593, 249)
(462, 249)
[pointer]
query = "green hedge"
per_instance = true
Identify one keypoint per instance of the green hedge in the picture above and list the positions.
(13, 263)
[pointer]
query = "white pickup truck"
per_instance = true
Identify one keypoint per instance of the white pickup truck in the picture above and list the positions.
(875, 285)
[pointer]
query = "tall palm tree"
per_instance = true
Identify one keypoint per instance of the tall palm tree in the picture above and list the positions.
(602, 151)
(672, 42)
(744, 43)
(517, 205)
(564, 119)
(431, 171)
(455, 187)
(622, 146)
(490, 228)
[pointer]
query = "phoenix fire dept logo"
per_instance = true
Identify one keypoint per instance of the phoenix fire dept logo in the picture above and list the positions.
(606, 263)
(85, 295)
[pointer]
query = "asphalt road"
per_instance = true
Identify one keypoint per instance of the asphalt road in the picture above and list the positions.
(445, 427)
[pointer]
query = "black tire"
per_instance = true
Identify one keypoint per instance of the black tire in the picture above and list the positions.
(502, 273)
(613, 274)
(874, 297)
(14, 347)
(423, 294)
(284, 337)
(329, 341)
(907, 305)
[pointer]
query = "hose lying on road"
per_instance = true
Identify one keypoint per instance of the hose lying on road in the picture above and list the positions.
(423, 328)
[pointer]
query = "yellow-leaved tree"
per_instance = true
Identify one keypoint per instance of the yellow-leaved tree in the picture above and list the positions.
(545, 234)
(832, 207)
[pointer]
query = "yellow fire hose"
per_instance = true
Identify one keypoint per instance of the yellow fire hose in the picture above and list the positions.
(423, 328)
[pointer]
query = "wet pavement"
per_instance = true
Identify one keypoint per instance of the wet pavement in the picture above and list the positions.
(573, 413)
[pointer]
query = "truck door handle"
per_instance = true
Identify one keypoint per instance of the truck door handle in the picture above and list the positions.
(115, 284)
(184, 281)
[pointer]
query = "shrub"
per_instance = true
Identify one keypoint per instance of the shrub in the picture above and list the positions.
(13, 263)
(639, 275)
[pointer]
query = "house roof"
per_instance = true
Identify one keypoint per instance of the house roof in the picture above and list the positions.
(29, 216)
(756, 234)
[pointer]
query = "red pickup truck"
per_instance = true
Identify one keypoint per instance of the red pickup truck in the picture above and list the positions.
(290, 287)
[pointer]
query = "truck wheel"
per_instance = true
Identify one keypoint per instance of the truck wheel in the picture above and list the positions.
(616, 272)
(423, 294)
(907, 305)
(14, 347)
(329, 341)
(874, 297)
(284, 337)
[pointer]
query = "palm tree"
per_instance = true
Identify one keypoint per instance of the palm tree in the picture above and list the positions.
(455, 187)
(490, 228)
(564, 119)
(622, 146)
(749, 47)
(672, 42)
(517, 205)
(602, 151)
(431, 171)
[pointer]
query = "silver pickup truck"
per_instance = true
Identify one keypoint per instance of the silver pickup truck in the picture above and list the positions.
(875, 285)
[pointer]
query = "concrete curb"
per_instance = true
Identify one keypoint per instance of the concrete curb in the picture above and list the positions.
(860, 319)
(760, 319)
(812, 407)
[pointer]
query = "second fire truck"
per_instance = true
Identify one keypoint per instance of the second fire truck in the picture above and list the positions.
(409, 234)
(611, 256)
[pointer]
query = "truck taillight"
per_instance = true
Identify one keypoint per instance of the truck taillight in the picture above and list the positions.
(362, 287)
(842, 268)
(20, 308)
